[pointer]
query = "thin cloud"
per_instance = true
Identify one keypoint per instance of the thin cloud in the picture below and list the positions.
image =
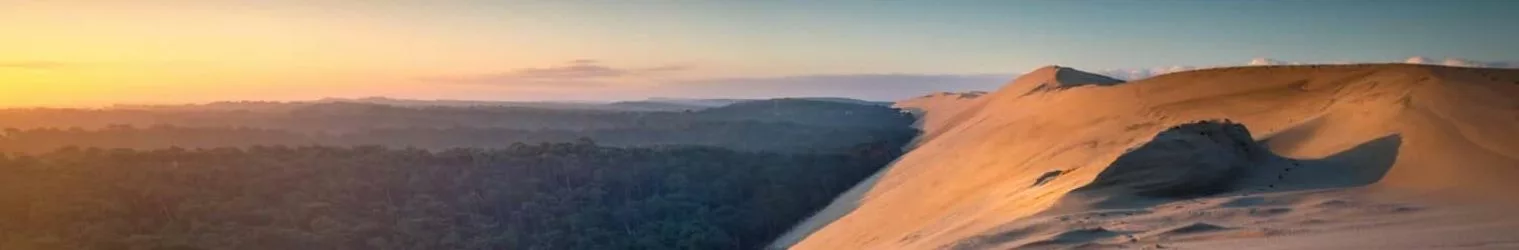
(860, 86)
(1141, 73)
(1461, 62)
(590, 79)
(576, 73)
(33, 65)
(577, 69)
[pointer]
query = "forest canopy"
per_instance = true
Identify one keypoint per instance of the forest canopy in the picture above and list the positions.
(711, 179)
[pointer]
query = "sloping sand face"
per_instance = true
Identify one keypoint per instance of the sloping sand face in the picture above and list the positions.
(1355, 150)
(935, 111)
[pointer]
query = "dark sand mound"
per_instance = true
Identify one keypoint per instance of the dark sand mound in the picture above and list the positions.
(1198, 227)
(1194, 159)
(1073, 237)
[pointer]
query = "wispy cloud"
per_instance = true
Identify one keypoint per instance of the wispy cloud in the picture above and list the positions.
(887, 87)
(33, 65)
(1461, 62)
(576, 73)
(591, 79)
(861, 86)
(1141, 73)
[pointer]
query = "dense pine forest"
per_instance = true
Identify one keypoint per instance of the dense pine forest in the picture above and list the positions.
(349, 117)
(736, 135)
(708, 179)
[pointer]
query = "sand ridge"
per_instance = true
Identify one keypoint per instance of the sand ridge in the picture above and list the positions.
(1418, 149)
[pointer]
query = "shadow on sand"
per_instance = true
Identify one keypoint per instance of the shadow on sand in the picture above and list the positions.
(1361, 165)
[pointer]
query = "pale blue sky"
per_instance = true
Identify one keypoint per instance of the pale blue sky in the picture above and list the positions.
(1002, 36)
(206, 50)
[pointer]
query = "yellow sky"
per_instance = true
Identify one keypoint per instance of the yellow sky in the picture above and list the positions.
(95, 53)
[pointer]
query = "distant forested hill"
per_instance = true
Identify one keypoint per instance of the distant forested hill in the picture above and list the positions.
(371, 176)
(771, 125)
(743, 136)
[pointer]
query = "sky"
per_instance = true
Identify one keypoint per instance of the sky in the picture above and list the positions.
(84, 53)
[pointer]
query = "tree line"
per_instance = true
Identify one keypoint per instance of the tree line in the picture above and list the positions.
(736, 135)
(350, 117)
(540, 196)
(361, 176)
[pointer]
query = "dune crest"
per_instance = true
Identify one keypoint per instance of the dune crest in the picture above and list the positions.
(936, 111)
(1055, 77)
(1401, 147)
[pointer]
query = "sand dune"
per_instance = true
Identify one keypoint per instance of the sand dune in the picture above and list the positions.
(1386, 156)
(935, 111)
